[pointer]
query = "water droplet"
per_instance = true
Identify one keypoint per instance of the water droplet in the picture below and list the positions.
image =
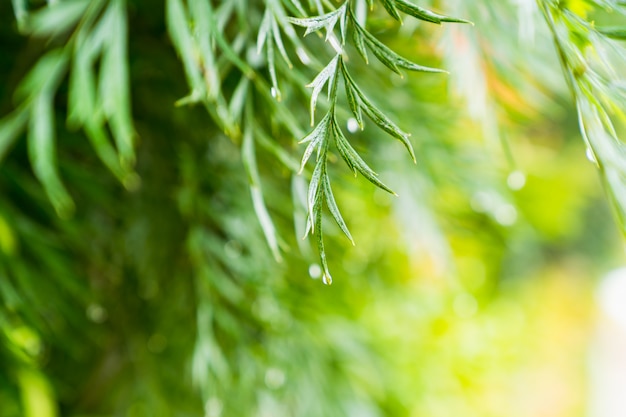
(315, 271)
(506, 215)
(275, 93)
(352, 125)
(327, 279)
(274, 378)
(591, 156)
(96, 313)
(465, 305)
(516, 180)
(213, 407)
(254, 58)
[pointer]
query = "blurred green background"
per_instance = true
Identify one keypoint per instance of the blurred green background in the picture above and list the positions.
(470, 294)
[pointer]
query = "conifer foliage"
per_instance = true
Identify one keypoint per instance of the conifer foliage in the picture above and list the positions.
(161, 162)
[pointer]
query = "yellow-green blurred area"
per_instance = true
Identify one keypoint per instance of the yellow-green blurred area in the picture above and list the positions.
(472, 293)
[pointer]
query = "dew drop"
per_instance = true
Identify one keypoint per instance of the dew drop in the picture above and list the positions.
(213, 407)
(96, 313)
(315, 271)
(506, 215)
(274, 378)
(352, 125)
(275, 93)
(516, 180)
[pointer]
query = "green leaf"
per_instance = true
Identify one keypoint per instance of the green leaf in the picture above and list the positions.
(426, 15)
(180, 34)
(314, 194)
(82, 89)
(376, 115)
(388, 57)
(354, 161)
(238, 99)
(390, 6)
(106, 152)
(616, 32)
(248, 154)
(332, 207)
(326, 277)
(353, 103)
(359, 43)
(45, 75)
(315, 23)
(203, 40)
(264, 31)
(279, 42)
(271, 64)
(316, 137)
(42, 153)
(114, 89)
(326, 75)
(57, 18)
(11, 126)
(20, 9)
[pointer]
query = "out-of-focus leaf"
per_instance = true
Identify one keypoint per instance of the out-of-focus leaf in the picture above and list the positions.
(616, 32)
(178, 29)
(248, 155)
(11, 126)
(114, 87)
(57, 18)
(278, 39)
(42, 154)
(45, 75)
(271, 63)
(390, 6)
(38, 398)
(201, 11)
(20, 9)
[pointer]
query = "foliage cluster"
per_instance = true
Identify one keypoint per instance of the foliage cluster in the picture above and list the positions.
(175, 285)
